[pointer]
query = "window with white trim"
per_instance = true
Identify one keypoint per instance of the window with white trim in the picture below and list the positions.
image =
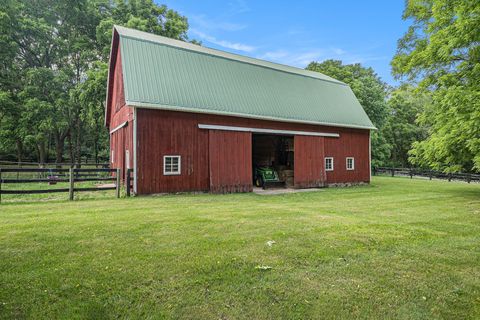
(350, 163)
(329, 164)
(172, 165)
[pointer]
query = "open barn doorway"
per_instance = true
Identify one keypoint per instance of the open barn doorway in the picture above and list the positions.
(272, 160)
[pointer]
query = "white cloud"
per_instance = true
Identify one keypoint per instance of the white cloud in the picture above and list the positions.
(238, 6)
(298, 58)
(205, 23)
(223, 43)
(338, 51)
(274, 55)
(301, 57)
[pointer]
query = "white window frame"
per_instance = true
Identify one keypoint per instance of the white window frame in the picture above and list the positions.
(172, 173)
(353, 163)
(328, 158)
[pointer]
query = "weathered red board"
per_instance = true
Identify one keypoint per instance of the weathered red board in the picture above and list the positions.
(309, 168)
(349, 144)
(219, 161)
(230, 161)
(120, 114)
(162, 133)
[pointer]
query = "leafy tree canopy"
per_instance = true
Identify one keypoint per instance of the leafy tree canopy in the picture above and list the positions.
(371, 92)
(441, 53)
(402, 130)
(53, 63)
(143, 15)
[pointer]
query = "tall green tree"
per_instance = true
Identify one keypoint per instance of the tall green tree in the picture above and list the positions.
(440, 51)
(10, 81)
(53, 63)
(402, 128)
(38, 33)
(144, 15)
(91, 95)
(10, 137)
(77, 21)
(371, 92)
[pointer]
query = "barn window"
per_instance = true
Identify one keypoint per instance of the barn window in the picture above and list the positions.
(329, 164)
(350, 163)
(172, 165)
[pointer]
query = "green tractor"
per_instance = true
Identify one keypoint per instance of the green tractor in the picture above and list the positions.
(266, 177)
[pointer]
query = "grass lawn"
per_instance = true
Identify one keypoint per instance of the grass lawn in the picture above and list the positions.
(399, 248)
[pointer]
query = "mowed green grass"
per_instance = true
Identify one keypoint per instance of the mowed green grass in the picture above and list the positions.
(399, 248)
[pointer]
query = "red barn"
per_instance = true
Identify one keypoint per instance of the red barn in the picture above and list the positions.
(189, 118)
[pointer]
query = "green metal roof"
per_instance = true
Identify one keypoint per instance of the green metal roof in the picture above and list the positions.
(163, 73)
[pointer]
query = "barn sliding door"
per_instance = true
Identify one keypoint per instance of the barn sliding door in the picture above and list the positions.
(309, 156)
(230, 161)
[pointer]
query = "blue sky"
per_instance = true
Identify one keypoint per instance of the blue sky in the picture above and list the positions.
(298, 32)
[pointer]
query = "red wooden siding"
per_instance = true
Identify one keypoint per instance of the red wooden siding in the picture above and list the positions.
(230, 161)
(162, 133)
(122, 139)
(350, 144)
(309, 168)
(220, 161)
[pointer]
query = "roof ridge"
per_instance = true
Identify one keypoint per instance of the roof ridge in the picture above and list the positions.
(150, 37)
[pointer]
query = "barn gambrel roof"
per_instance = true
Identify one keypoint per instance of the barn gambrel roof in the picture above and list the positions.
(163, 73)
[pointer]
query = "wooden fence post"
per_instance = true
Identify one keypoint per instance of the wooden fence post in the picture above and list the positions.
(0, 185)
(71, 180)
(117, 190)
(127, 185)
(393, 172)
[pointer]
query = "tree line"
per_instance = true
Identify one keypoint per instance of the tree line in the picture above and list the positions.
(54, 69)
(432, 120)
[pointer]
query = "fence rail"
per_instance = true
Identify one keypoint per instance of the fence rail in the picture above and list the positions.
(71, 175)
(415, 172)
(17, 164)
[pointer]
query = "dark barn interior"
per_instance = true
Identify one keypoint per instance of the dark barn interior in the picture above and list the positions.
(274, 151)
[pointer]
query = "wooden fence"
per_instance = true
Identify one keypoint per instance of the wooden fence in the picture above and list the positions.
(71, 175)
(16, 164)
(415, 172)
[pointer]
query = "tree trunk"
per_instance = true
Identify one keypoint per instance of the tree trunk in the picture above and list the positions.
(47, 147)
(41, 152)
(95, 151)
(59, 145)
(78, 144)
(70, 147)
(95, 145)
(19, 145)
